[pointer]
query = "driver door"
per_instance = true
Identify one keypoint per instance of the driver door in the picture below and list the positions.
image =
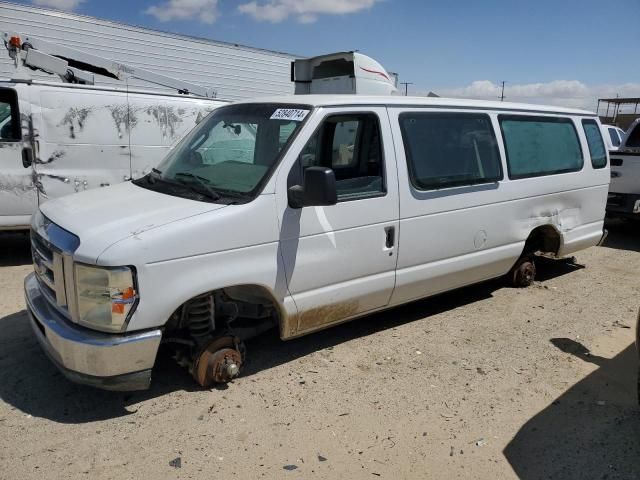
(340, 260)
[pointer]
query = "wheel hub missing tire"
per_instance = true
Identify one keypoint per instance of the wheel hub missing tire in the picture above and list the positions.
(219, 362)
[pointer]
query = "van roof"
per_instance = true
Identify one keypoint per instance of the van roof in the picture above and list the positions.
(395, 100)
(8, 83)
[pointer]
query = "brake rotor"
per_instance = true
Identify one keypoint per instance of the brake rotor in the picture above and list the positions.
(219, 362)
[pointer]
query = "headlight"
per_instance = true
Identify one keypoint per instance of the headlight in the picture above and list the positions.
(106, 296)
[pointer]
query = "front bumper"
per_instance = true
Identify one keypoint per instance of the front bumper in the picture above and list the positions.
(112, 362)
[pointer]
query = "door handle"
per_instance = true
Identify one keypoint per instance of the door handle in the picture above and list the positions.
(27, 157)
(390, 237)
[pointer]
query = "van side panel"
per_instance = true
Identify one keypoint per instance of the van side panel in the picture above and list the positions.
(458, 236)
(83, 140)
(95, 138)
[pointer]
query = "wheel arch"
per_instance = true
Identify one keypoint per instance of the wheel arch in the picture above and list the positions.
(546, 239)
(250, 293)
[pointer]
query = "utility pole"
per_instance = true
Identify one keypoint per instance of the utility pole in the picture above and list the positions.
(502, 94)
(406, 87)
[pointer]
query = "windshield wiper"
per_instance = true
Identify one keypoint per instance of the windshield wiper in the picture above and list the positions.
(199, 186)
(152, 178)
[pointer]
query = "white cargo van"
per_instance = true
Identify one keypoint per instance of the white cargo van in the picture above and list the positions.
(57, 139)
(301, 213)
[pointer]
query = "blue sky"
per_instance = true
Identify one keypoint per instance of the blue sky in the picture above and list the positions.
(550, 51)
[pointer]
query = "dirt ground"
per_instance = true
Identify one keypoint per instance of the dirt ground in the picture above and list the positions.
(484, 382)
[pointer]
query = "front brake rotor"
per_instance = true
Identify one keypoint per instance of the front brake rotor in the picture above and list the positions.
(219, 362)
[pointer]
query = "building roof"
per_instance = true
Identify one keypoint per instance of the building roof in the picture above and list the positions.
(620, 101)
(396, 100)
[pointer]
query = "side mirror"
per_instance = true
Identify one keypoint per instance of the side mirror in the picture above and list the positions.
(319, 189)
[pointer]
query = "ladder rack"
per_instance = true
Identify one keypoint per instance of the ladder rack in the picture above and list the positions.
(76, 66)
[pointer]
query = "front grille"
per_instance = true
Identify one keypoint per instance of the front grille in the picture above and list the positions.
(49, 267)
(52, 250)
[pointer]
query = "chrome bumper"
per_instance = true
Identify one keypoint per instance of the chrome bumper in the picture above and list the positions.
(112, 362)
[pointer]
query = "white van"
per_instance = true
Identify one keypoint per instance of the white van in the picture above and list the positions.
(613, 137)
(302, 213)
(57, 139)
(624, 193)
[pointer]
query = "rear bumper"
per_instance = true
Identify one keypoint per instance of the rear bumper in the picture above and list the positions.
(624, 205)
(112, 362)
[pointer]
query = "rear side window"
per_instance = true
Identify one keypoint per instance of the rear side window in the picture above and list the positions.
(596, 145)
(615, 140)
(9, 116)
(538, 146)
(450, 149)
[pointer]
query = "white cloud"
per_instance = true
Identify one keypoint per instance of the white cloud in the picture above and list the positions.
(205, 11)
(69, 5)
(566, 93)
(305, 11)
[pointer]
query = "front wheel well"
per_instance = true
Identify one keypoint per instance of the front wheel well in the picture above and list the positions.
(247, 309)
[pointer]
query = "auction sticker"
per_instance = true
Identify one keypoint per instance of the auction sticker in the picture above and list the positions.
(292, 114)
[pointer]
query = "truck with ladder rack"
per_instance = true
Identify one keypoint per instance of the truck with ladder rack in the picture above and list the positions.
(59, 138)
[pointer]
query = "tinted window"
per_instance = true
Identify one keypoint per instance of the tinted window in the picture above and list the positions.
(540, 145)
(615, 140)
(351, 146)
(9, 117)
(596, 145)
(450, 149)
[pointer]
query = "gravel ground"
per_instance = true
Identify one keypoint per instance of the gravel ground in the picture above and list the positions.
(483, 382)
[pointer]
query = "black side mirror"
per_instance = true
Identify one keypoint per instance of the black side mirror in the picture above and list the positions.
(319, 189)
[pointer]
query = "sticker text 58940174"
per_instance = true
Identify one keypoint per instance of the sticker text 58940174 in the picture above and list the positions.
(291, 114)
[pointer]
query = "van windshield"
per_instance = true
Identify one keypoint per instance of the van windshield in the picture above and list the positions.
(230, 154)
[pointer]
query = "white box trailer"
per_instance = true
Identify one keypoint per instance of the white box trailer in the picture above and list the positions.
(237, 72)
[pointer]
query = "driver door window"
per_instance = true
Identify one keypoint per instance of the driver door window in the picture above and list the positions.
(350, 145)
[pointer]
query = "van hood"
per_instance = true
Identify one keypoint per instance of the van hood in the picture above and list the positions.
(104, 216)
